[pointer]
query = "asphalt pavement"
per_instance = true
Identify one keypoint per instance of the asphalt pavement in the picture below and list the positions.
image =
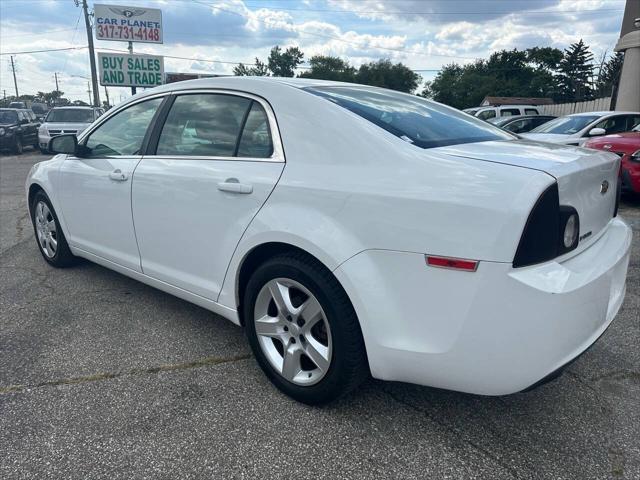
(104, 377)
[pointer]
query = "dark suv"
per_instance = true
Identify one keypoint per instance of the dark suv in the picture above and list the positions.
(18, 128)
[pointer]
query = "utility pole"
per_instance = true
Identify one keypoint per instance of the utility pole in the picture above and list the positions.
(55, 74)
(92, 55)
(133, 89)
(15, 82)
(89, 92)
(106, 94)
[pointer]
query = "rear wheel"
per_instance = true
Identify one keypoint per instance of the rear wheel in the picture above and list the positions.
(303, 330)
(51, 241)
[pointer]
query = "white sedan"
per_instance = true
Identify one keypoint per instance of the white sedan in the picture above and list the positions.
(576, 129)
(351, 230)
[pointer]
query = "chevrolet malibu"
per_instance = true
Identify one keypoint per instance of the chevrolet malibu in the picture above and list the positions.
(350, 230)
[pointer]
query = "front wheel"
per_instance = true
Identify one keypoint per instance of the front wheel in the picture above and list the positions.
(51, 240)
(303, 329)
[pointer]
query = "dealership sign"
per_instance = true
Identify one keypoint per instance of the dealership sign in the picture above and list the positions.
(128, 24)
(121, 70)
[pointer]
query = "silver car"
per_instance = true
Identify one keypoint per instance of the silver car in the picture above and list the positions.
(66, 120)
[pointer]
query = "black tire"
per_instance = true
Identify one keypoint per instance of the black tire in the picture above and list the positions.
(63, 256)
(348, 367)
(43, 151)
(17, 146)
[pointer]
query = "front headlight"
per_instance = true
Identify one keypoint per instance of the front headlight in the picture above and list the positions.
(43, 130)
(1, 131)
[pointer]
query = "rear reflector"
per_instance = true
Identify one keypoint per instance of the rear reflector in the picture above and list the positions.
(453, 263)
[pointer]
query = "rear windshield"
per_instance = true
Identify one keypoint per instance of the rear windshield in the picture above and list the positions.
(566, 125)
(416, 120)
(8, 117)
(70, 115)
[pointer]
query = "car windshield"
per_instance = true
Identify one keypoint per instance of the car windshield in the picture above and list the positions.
(8, 117)
(416, 120)
(566, 125)
(70, 115)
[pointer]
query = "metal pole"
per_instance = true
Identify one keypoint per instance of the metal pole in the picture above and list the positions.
(92, 56)
(133, 89)
(55, 74)
(89, 92)
(106, 94)
(15, 82)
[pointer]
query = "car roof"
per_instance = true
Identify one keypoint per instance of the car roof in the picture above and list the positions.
(603, 113)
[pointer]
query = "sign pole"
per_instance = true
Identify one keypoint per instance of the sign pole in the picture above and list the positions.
(92, 55)
(133, 89)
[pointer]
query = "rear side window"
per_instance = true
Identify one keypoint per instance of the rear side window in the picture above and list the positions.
(530, 111)
(203, 125)
(414, 119)
(256, 137)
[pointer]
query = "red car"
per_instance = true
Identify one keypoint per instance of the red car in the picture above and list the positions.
(627, 145)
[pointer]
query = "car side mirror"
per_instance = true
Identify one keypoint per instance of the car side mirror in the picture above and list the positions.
(64, 144)
(594, 132)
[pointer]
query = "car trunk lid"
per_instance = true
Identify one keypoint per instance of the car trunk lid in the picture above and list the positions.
(587, 179)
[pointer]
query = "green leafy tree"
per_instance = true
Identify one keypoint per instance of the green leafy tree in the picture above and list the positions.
(279, 64)
(575, 72)
(385, 74)
(284, 63)
(259, 69)
(330, 68)
(610, 74)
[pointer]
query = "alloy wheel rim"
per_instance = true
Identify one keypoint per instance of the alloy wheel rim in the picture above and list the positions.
(293, 331)
(46, 230)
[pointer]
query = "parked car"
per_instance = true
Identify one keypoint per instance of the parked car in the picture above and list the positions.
(66, 120)
(40, 109)
(18, 128)
(627, 146)
(384, 234)
(576, 129)
(520, 123)
(485, 113)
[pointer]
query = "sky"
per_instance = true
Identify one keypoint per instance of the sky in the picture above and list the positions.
(213, 34)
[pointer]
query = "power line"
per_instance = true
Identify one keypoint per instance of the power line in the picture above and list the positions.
(43, 50)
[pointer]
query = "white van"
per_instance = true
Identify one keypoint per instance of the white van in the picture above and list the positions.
(485, 113)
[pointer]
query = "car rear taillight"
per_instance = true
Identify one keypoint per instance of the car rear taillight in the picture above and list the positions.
(551, 230)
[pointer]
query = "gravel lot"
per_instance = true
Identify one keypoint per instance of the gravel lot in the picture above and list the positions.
(103, 377)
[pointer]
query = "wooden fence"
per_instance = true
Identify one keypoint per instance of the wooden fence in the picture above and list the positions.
(560, 109)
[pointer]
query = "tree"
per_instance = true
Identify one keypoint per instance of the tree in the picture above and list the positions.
(259, 69)
(576, 69)
(284, 64)
(330, 68)
(279, 64)
(385, 74)
(610, 74)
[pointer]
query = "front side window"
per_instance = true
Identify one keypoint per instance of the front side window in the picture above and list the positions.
(509, 112)
(204, 124)
(613, 124)
(566, 125)
(518, 126)
(414, 119)
(486, 114)
(530, 111)
(123, 133)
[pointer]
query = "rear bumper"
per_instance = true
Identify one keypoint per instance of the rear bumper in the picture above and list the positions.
(496, 331)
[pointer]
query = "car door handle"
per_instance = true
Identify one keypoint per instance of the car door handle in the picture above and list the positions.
(118, 176)
(234, 186)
